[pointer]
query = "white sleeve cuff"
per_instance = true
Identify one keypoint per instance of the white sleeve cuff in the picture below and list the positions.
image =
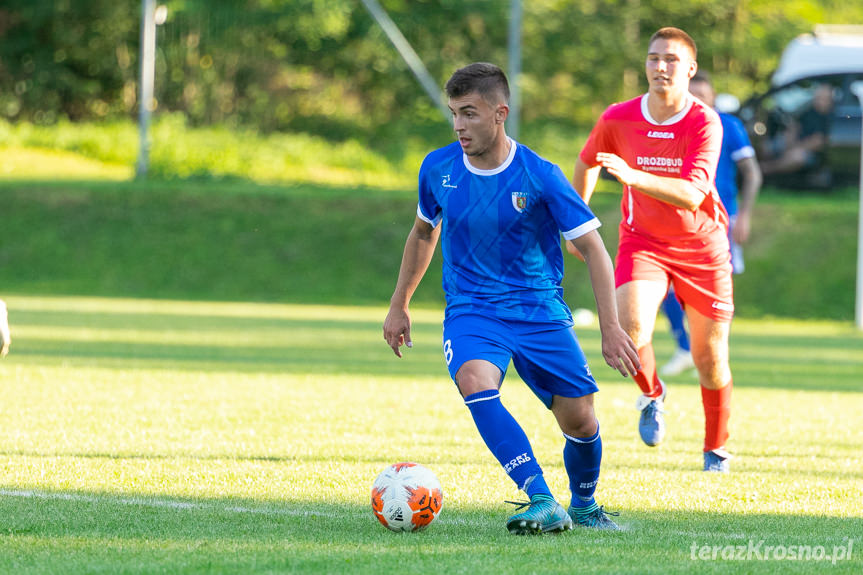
(432, 222)
(587, 226)
(743, 153)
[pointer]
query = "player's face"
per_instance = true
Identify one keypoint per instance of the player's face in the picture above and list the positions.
(477, 123)
(670, 65)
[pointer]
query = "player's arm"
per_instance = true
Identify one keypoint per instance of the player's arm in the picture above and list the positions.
(813, 142)
(679, 192)
(584, 181)
(750, 183)
(618, 350)
(419, 249)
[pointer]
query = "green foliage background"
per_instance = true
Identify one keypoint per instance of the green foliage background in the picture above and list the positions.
(255, 95)
(325, 67)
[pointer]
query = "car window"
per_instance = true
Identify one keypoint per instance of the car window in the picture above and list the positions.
(847, 103)
(807, 133)
(794, 98)
(777, 111)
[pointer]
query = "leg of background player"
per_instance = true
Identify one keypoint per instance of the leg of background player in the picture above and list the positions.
(681, 359)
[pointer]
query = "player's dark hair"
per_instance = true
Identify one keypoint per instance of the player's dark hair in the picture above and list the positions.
(672, 33)
(702, 76)
(486, 79)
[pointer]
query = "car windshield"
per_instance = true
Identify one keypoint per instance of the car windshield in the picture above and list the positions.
(794, 98)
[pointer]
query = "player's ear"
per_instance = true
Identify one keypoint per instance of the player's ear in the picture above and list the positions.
(501, 113)
(693, 68)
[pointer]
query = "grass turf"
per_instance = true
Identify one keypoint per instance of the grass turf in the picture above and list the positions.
(236, 241)
(142, 436)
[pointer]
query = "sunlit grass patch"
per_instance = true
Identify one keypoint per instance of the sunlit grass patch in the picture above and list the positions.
(21, 164)
(145, 435)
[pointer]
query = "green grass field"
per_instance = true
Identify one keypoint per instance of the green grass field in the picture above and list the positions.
(238, 241)
(144, 436)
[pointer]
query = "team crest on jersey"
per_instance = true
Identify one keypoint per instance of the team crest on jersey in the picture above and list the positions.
(446, 183)
(519, 201)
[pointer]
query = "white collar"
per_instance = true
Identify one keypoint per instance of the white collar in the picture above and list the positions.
(673, 119)
(496, 170)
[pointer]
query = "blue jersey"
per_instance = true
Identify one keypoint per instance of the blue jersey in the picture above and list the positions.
(735, 147)
(501, 232)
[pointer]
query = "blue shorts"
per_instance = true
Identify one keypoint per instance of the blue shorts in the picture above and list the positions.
(547, 356)
(738, 266)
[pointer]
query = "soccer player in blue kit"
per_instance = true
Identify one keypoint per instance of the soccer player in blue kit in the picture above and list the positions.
(499, 211)
(736, 162)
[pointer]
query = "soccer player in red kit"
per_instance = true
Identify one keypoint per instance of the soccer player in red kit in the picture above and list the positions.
(664, 147)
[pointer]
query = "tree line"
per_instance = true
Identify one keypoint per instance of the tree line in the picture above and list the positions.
(325, 67)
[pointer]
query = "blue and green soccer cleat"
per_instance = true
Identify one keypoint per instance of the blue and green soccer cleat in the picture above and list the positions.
(543, 515)
(594, 517)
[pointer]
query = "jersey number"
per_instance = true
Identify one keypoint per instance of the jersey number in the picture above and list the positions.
(447, 351)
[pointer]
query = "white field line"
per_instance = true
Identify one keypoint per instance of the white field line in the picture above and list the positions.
(158, 503)
(162, 503)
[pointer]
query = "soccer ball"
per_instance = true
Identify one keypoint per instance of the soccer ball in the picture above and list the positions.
(406, 497)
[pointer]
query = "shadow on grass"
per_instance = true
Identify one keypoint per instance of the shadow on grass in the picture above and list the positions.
(209, 186)
(774, 472)
(118, 533)
(361, 359)
(226, 324)
(333, 345)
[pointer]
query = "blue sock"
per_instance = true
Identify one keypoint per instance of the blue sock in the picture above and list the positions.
(674, 311)
(507, 441)
(582, 457)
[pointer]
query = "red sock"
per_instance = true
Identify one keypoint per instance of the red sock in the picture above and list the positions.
(646, 377)
(717, 409)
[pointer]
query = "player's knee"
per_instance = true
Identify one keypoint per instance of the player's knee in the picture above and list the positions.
(575, 416)
(470, 382)
(713, 367)
(705, 360)
(637, 332)
(585, 427)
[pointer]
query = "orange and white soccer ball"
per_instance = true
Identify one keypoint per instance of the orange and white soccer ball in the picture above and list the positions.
(406, 497)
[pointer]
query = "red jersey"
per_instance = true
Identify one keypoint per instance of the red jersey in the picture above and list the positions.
(687, 146)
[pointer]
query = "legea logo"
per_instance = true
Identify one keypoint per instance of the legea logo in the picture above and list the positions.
(660, 135)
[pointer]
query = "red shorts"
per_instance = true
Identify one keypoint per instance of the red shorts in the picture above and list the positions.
(699, 270)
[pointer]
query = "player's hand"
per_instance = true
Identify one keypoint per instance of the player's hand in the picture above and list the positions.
(5, 336)
(618, 168)
(740, 231)
(619, 351)
(397, 329)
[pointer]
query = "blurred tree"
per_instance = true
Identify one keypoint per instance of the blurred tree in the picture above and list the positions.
(73, 58)
(323, 66)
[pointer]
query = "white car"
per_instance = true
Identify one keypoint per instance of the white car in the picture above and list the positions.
(830, 63)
